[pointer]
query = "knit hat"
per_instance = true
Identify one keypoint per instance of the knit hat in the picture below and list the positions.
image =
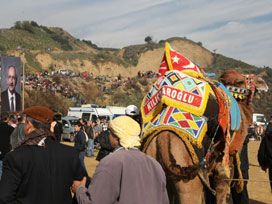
(132, 110)
(40, 113)
(127, 130)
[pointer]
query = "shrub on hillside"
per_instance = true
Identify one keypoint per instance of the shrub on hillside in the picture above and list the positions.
(118, 96)
(2, 48)
(26, 25)
(17, 25)
(32, 62)
(55, 102)
(65, 45)
(132, 53)
(33, 23)
(90, 92)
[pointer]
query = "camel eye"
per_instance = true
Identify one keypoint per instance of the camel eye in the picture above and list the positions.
(239, 83)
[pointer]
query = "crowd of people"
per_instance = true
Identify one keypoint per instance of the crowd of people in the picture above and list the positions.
(35, 167)
(46, 83)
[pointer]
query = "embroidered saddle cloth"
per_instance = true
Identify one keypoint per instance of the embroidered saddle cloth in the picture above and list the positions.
(178, 90)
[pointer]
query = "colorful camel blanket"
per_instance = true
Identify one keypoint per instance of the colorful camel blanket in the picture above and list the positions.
(192, 126)
(178, 90)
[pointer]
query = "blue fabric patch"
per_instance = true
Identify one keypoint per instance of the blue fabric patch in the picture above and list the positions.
(171, 119)
(235, 113)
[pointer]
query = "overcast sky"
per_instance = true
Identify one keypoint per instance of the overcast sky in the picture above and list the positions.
(240, 29)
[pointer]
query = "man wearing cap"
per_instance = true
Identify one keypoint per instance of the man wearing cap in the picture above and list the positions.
(133, 112)
(127, 175)
(40, 170)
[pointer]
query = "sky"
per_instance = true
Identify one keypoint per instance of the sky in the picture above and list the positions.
(240, 29)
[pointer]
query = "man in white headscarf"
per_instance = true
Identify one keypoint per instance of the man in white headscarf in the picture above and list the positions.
(127, 175)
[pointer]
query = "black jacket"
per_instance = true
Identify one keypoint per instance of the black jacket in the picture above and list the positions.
(265, 150)
(5, 102)
(106, 148)
(34, 174)
(58, 130)
(80, 141)
(5, 132)
(89, 131)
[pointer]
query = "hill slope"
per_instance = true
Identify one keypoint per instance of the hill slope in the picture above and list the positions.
(42, 48)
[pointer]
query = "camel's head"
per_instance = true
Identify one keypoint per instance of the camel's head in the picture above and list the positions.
(243, 87)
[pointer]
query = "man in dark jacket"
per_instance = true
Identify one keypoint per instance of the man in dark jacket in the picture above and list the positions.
(18, 134)
(265, 151)
(5, 131)
(105, 145)
(41, 170)
(80, 142)
(58, 127)
(90, 133)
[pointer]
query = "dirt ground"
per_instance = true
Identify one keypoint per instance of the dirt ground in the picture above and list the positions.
(258, 186)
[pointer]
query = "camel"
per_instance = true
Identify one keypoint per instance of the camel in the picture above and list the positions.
(185, 178)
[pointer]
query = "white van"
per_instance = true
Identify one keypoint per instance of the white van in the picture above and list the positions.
(104, 113)
(82, 112)
(90, 112)
(116, 111)
(258, 118)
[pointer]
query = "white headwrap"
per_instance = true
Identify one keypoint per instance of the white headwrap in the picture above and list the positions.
(127, 130)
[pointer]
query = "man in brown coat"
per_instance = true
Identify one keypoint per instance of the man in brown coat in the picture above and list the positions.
(40, 170)
(127, 175)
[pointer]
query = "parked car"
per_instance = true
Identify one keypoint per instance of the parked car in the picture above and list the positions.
(68, 128)
(63, 71)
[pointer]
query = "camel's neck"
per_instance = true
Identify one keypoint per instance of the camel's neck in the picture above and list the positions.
(247, 110)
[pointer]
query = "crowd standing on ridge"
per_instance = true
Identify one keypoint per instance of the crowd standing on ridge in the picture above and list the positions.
(43, 81)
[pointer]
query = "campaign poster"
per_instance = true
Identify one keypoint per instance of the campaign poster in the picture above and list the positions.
(10, 84)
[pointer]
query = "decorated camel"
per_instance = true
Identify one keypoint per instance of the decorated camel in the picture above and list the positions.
(195, 126)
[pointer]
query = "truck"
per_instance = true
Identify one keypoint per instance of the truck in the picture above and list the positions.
(258, 118)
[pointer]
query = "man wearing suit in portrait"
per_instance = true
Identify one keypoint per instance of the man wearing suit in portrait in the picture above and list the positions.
(11, 100)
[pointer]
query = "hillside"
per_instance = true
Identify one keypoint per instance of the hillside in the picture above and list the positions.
(42, 48)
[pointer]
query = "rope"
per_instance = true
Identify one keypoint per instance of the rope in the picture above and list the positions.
(248, 180)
